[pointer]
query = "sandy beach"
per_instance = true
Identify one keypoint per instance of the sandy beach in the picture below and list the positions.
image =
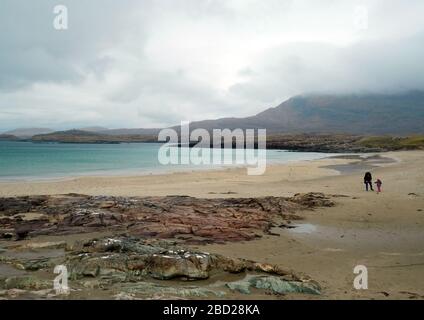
(278, 180)
(384, 232)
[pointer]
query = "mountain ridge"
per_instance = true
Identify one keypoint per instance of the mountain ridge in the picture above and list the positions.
(349, 114)
(359, 114)
(27, 132)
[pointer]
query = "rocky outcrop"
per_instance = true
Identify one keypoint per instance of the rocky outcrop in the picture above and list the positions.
(24, 283)
(312, 200)
(156, 259)
(130, 268)
(187, 219)
(146, 246)
(183, 264)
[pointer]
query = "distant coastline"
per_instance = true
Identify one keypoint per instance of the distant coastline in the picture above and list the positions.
(328, 143)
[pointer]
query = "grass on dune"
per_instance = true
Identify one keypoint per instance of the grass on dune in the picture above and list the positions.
(412, 142)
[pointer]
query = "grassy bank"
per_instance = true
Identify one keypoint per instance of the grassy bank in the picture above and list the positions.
(394, 143)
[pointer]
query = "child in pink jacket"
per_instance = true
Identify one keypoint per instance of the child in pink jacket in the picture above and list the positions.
(378, 183)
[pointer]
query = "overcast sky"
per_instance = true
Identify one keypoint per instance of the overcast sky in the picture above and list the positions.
(133, 63)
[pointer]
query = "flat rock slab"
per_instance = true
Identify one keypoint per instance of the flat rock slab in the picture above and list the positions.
(188, 219)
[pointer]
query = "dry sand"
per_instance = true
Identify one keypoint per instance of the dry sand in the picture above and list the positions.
(384, 232)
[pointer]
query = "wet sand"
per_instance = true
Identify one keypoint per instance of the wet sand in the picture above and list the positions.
(384, 232)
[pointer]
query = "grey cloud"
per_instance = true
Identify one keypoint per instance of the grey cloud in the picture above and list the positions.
(134, 63)
(377, 66)
(31, 50)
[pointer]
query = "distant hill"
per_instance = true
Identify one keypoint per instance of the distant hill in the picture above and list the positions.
(301, 142)
(352, 114)
(27, 132)
(94, 129)
(136, 131)
(8, 137)
(81, 136)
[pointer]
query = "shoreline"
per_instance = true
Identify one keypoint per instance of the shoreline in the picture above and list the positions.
(160, 171)
(291, 170)
(134, 169)
(347, 159)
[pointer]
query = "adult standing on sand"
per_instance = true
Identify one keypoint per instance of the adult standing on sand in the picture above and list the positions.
(368, 181)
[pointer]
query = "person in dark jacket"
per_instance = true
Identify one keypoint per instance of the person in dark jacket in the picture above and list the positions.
(368, 181)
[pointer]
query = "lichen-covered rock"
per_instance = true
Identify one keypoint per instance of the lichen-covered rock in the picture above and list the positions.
(118, 244)
(230, 265)
(94, 265)
(280, 286)
(153, 289)
(25, 283)
(274, 285)
(38, 264)
(131, 266)
(174, 264)
(115, 257)
(239, 286)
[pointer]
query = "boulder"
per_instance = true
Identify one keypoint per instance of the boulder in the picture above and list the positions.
(280, 286)
(179, 264)
(25, 283)
(274, 285)
(313, 200)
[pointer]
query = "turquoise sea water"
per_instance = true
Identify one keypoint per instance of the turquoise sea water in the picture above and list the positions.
(26, 160)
